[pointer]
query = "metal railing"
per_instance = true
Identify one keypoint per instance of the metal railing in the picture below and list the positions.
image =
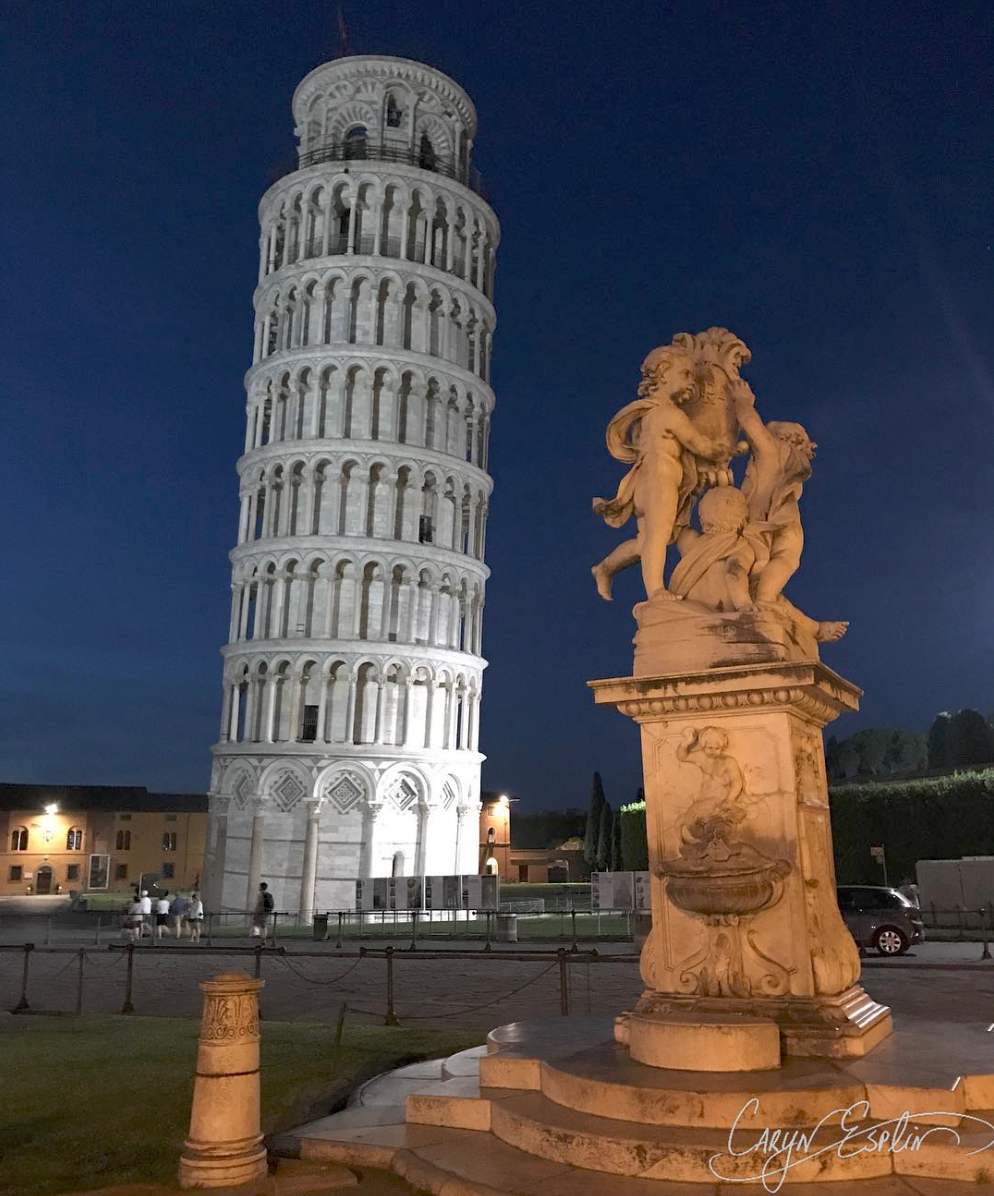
(366, 151)
(100, 928)
(78, 959)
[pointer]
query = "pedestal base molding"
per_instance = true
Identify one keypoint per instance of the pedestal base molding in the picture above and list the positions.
(843, 1027)
(692, 1040)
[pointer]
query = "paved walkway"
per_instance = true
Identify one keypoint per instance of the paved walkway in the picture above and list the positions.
(470, 989)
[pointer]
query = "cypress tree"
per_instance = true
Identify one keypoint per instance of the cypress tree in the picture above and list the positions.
(593, 829)
(938, 742)
(616, 843)
(604, 839)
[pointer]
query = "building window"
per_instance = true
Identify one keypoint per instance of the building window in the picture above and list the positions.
(490, 867)
(522, 872)
(72, 872)
(169, 841)
(124, 817)
(491, 835)
(393, 113)
(124, 840)
(170, 818)
(425, 530)
(121, 872)
(19, 838)
(15, 873)
(309, 729)
(168, 871)
(74, 839)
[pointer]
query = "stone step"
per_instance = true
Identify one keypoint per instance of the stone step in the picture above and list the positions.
(533, 1123)
(466, 1163)
(605, 1079)
(457, 1104)
(463, 1063)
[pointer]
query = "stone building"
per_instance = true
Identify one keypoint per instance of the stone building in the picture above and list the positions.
(98, 838)
(352, 675)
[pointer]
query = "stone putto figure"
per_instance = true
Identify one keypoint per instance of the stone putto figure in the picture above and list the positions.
(670, 457)
(680, 436)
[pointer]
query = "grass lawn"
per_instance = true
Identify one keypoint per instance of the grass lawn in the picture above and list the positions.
(94, 1101)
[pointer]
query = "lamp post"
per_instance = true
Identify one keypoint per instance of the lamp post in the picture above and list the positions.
(880, 856)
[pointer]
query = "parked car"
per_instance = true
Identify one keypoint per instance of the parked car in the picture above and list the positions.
(881, 918)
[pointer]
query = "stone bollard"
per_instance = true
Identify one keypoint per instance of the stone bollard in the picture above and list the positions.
(225, 1143)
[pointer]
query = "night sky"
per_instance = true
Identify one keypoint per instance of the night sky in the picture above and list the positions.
(818, 178)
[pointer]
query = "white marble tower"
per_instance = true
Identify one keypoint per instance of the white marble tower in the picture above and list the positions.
(352, 675)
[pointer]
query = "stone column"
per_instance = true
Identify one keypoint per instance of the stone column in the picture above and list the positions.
(745, 923)
(367, 852)
(309, 872)
(225, 1147)
(255, 855)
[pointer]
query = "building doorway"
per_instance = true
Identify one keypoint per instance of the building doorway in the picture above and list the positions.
(43, 880)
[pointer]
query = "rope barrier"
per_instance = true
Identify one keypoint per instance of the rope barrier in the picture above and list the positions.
(323, 983)
(420, 1017)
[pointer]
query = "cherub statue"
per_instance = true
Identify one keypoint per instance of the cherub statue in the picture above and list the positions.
(722, 786)
(717, 562)
(663, 447)
(778, 468)
(723, 566)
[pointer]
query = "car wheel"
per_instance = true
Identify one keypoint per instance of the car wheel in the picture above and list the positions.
(890, 941)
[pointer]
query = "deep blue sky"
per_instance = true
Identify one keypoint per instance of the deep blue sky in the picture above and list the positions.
(818, 178)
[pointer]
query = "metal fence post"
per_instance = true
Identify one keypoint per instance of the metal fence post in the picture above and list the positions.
(127, 1007)
(391, 1017)
(338, 1038)
(22, 1005)
(983, 930)
(572, 914)
(414, 929)
(79, 982)
(258, 960)
(210, 930)
(338, 942)
(276, 918)
(563, 982)
(48, 931)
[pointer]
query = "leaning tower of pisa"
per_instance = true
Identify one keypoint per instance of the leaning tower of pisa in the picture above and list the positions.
(352, 674)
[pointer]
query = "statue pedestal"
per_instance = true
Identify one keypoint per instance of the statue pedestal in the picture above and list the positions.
(745, 922)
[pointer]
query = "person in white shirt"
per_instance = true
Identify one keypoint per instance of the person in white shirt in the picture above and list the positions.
(146, 904)
(162, 915)
(195, 917)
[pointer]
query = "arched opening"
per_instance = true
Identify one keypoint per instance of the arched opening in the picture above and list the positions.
(397, 867)
(427, 158)
(19, 838)
(74, 839)
(394, 114)
(354, 143)
(490, 867)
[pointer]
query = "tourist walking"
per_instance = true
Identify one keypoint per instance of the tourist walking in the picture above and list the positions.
(178, 908)
(195, 917)
(162, 915)
(146, 904)
(262, 917)
(133, 920)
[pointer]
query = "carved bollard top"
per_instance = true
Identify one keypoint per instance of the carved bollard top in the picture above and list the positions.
(231, 1008)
